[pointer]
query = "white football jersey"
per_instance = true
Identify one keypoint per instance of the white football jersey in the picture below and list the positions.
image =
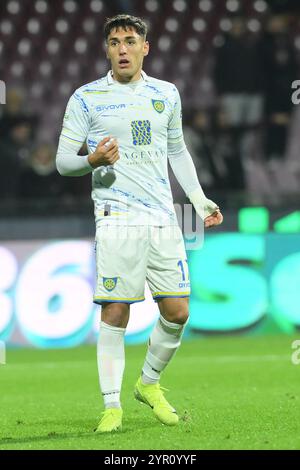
(144, 117)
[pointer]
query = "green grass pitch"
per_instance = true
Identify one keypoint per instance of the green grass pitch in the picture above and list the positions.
(230, 393)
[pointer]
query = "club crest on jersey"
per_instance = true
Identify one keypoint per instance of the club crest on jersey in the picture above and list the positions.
(110, 283)
(158, 105)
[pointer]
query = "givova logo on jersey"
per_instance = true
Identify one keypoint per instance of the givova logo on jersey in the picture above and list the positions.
(110, 107)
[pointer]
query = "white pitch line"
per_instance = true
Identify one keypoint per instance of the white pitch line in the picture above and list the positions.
(205, 359)
(267, 358)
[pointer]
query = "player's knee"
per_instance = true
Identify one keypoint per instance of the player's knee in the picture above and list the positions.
(179, 316)
(115, 314)
(182, 317)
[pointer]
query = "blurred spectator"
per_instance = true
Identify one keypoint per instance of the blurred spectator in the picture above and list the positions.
(199, 136)
(14, 103)
(238, 77)
(12, 110)
(39, 179)
(239, 85)
(15, 148)
(280, 69)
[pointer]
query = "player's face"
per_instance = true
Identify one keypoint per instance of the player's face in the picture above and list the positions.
(126, 51)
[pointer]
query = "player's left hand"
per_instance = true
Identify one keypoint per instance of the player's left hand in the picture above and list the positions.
(214, 219)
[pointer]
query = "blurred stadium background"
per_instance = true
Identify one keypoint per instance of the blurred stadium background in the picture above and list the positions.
(234, 63)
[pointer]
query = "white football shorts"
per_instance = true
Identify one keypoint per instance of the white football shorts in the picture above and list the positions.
(127, 256)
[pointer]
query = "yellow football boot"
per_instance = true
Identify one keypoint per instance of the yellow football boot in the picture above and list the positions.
(111, 420)
(152, 395)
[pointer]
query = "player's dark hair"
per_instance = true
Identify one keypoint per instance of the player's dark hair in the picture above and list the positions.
(125, 21)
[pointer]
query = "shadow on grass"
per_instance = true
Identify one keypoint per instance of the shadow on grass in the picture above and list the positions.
(50, 436)
(129, 427)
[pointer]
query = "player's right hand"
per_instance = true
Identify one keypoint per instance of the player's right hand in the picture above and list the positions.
(106, 153)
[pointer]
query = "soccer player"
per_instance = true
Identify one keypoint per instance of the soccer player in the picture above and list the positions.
(132, 125)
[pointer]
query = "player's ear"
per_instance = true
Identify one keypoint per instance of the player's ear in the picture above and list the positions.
(146, 48)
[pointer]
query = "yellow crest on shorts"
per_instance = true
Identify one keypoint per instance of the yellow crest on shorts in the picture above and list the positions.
(158, 105)
(110, 283)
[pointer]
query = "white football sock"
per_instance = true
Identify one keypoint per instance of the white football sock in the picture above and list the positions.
(163, 343)
(111, 363)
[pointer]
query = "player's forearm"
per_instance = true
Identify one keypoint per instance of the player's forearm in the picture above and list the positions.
(68, 163)
(185, 172)
(184, 169)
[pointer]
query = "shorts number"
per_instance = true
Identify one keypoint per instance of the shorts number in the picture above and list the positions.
(181, 265)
